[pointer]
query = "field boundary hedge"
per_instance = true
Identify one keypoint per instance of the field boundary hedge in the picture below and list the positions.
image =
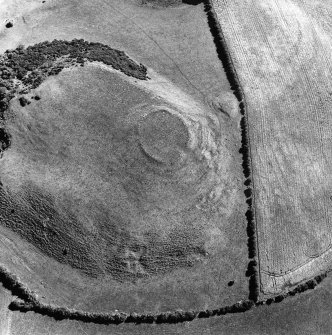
(228, 65)
(23, 64)
(28, 302)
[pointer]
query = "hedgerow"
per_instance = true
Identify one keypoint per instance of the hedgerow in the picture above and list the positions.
(221, 48)
(12, 283)
(232, 77)
(30, 303)
(178, 316)
(308, 285)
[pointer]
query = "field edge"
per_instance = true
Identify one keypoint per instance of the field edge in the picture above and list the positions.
(253, 250)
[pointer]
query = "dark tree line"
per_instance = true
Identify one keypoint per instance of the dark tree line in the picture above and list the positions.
(228, 66)
(5, 96)
(251, 233)
(253, 280)
(5, 140)
(251, 226)
(24, 101)
(239, 307)
(222, 50)
(61, 313)
(29, 64)
(28, 302)
(308, 285)
(244, 150)
(12, 283)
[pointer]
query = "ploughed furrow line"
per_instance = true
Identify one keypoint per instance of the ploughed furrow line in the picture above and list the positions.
(228, 65)
(280, 50)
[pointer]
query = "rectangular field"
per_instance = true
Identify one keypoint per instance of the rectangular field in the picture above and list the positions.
(281, 50)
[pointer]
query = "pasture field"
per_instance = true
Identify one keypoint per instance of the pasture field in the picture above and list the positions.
(142, 191)
(100, 214)
(131, 222)
(305, 314)
(281, 52)
(175, 41)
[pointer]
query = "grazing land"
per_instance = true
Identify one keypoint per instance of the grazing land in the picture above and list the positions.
(102, 214)
(175, 168)
(281, 58)
(176, 41)
(132, 212)
(305, 314)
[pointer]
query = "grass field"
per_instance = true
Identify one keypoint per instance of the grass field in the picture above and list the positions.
(281, 59)
(175, 42)
(132, 222)
(86, 188)
(125, 194)
(306, 314)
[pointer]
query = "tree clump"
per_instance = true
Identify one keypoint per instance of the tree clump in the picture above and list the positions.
(24, 101)
(33, 63)
(23, 69)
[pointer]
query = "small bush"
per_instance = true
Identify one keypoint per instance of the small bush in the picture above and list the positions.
(253, 287)
(133, 318)
(242, 307)
(249, 215)
(252, 246)
(279, 298)
(146, 318)
(248, 192)
(269, 301)
(23, 101)
(247, 182)
(203, 314)
(9, 24)
(320, 278)
(251, 270)
(161, 318)
(311, 284)
(249, 202)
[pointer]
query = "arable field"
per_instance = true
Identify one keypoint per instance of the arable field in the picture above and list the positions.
(119, 193)
(281, 51)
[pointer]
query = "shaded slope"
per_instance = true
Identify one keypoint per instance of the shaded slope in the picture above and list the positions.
(183, 236)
